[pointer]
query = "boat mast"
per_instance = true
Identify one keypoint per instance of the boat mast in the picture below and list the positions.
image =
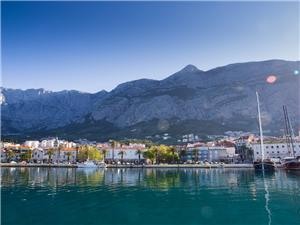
(260, 131)
(289, 131)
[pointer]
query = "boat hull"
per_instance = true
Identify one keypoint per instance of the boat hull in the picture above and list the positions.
(267, 166)
(295, 165)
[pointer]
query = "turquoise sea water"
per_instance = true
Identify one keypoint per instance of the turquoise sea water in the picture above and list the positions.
(148, 196)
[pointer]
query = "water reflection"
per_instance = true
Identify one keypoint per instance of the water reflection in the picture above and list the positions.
(162, 179)
(170, 196)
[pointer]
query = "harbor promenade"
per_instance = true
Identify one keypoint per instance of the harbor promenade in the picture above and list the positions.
(134, 166)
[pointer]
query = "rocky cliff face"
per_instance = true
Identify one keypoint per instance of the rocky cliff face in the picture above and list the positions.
(224, 95)
(40, 109)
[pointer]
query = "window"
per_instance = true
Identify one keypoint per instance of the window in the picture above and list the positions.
(278, 152)
(272, 146)
(267, 147)
(257, 153)
(277, 146)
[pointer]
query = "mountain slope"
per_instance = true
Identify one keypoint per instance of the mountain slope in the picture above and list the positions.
(219, 99)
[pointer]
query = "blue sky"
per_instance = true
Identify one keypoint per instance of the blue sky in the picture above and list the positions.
(97, 45)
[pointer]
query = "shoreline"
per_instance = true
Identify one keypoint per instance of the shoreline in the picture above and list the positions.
(135, 166)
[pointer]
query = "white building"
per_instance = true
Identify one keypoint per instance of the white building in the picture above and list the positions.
(32, 144)
(275, 150)
(130, 153)
(64, 155)
(39, 155)
(49, 143)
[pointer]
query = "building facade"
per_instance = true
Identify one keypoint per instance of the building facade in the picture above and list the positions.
(207, 154)
(278, 150)
(129, 153)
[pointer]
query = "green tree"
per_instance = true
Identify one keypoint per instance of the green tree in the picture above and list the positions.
(89, 153)
(26, 156)
(94, 153)
(82, 153)
(10, 154)
(149, 155)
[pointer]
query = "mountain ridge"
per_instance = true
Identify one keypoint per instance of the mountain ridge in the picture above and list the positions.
(218, 95)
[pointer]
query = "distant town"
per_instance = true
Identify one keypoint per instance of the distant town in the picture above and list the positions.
(234, 147)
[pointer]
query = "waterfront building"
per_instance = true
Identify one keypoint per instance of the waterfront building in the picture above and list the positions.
(49, 143)
(39, 155)
(65, 155)
(277, 150)
(207, 153)
(129, 153)
(32, 144)
(14, 152)
(58, 155)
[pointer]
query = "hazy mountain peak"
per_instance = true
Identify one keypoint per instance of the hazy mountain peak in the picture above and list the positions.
(189, 69)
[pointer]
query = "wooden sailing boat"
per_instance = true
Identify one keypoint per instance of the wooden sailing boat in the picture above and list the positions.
(291, 162)
(263, 164)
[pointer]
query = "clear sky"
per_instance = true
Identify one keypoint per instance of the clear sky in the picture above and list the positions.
(97, 45)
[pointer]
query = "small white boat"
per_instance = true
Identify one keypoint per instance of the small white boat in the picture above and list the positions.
(101, 165)
(87, 164)
(90, 164)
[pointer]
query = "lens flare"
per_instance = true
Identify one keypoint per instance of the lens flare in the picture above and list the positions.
(271, 79)
(296, 72)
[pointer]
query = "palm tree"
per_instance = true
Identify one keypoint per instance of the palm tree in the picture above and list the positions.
(195, 154)
(182, 154)
(104, 151)
(68, 154)
(172, 150)
(59, 150)
(113, 145)
(77, 152)
(50, 154)
(139, 152)
(122, 153)
(156, 152)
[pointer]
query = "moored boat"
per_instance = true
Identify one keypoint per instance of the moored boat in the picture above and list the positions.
(266, 165)
(262, 164)
(291, 163)
(87, 164)
(90, 164)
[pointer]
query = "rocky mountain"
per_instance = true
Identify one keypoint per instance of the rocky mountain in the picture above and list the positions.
(190, 100)
(25, 111)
